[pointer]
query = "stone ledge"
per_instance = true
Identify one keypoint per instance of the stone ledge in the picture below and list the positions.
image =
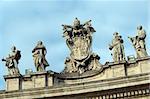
(81, 88)
(71, 76)
(108, 64)
(139, 59)
(30, 81)
(12, 76)
(78, 75)
(28, 75)
(39, 73)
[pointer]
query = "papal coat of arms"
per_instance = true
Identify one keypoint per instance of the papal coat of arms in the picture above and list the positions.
(79, 41)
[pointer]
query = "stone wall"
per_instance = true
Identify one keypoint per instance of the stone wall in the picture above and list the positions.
(110, 70)
(30, 81)
(132, 76)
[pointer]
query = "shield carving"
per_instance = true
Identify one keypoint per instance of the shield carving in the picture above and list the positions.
(80, 48)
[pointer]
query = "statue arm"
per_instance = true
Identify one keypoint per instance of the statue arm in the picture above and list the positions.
(66, 26)
(3, 59)
(11, 56)
(38, 48)
(35, 53)
(130, 38)
(111, 46)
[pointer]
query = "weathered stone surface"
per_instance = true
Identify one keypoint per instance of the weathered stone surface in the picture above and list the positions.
(117, 48)
(138, 42)
(11, 62)
(13, 82)
(39, 53)
(139, 66)
(34, 80)
(83, 77)
(79, 41)
(121, 80)
(127, 87)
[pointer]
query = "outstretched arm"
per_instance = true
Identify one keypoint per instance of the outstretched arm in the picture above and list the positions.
(66, 26)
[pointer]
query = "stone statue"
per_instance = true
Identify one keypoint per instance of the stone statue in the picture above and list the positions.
(117, 48)
(39, 53)
(79, 40)
(139, 42)
(12, 61)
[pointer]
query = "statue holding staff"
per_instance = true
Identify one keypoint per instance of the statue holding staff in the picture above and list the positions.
(138, 42)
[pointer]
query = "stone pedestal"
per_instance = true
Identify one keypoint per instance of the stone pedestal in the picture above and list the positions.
(138, 66)
(13, 82)
(126, 79)
(37, 80)
(29, 81)
(116, 69)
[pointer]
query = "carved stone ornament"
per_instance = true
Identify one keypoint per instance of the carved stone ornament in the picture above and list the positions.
(138, 42)
(39, 53)
(79, 41)
(11, 62)
(117, 48)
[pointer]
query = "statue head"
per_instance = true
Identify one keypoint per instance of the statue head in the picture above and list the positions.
(88, 24)
(139, 27)
(39, 43)
(13, 48)
(116, 34)
(76, 22)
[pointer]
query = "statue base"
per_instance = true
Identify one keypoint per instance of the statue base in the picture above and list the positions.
(81, 66)
(29, 81)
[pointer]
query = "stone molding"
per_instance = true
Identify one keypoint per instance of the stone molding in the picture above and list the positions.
(56, 91)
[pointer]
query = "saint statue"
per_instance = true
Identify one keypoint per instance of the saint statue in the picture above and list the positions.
(12, 61)
(39, 53)
(139, 42)
(79, 40)
(117, 48)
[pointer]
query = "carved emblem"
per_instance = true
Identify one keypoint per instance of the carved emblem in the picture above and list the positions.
(79, 40)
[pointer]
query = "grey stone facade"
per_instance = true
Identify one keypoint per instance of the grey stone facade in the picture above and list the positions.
(128, 79)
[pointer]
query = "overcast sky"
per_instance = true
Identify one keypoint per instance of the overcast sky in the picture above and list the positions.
(24, 22)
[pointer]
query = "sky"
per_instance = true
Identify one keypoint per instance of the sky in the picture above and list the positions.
(24, 22)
